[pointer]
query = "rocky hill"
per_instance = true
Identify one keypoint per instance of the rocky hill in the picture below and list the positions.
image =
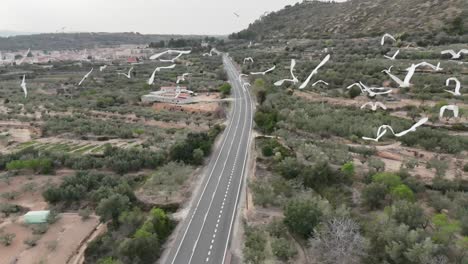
(357, 18)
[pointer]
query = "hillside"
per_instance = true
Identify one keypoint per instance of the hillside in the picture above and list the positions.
(357, 18)
(63, 41)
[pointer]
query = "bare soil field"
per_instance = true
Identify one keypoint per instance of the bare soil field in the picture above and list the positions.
(58, 245)
(30, 187)
(206, 103)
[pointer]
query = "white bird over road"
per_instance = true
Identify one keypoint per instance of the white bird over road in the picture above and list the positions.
(102, 68)
(182, 77)
(129, 75)
(320, 81)
(23, 85)
(213, 50)
(294, 79)
(242, 75)
(385, 36)
(455, 55)
(183, 52)
(248, 59)
(315, 71)
(406, 82)
(265, 72)
(85, 77)
(452, 108)
(374, 105)
(158, 69)
(457, 86)
(394, 55)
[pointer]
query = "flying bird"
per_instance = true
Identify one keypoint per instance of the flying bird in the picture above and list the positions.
(237, 15)
(248, 59)
(452, 108)
(129, 75)
(320, 81)
(250, 44)
(389, 69)
(183, 52)
(265, 72)
(158, 69)
(358, 85)
(23, 85)
(315, 71)
(385, 36)
(213, 50)
(383, 129)
(182, 77)
(394, 55)
(85, 77)
(246, 85)
(240, 76)
(371, 90)
(406, 82)
(427, 64)
(455, 56)
(24, 57)
(294, 79)
(374, 105)
(102, 68)
(457, 86)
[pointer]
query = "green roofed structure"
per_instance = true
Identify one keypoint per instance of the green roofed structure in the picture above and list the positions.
(36, 217)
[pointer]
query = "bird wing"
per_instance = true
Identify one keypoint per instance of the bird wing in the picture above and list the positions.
(396, 54)
(293, 65)
(409, 75)
(442, 110)
(451, 52)
(315, 71)
(365, 105)
(130, 71)
(394, 78)
(151, 79)
(386, 35)
(270, 70)
(23, 85)
(168, 67)
(155, 56)
(413, 128)
(381, 105)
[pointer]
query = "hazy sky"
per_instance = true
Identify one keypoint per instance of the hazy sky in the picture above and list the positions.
(144, 16)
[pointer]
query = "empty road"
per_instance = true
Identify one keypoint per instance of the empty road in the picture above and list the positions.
(205, 234)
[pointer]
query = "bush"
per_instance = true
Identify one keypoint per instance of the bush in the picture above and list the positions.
(32, 241)
(408, 213)
(44, 166)
(283, 249)
(302, 216)
(254, 246)
(374, 195)
(402, 192)
(7, 238)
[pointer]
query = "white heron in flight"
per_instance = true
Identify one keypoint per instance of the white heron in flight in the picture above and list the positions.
(24, 57)
(241, 76)
(264, 72)
(248, 59)
(182, 77)
(294, 79)
(427, 64)
(23, 85)
(372, 90)
(455, 55)
(315, 71)
(394, 55)
(129, 75)
(374, 105)
(385, 36)
(102, 68)
(158, 69)
(383, 129)
(183, 52)
(85, 77)
(457, 86)
(320, 81)
(406, 82)
(213, 50)
(452, 108)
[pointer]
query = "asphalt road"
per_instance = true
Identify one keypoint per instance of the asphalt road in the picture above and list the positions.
(206, 233)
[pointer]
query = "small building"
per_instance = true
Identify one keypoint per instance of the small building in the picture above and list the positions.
(36, 217)
(133, 60)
